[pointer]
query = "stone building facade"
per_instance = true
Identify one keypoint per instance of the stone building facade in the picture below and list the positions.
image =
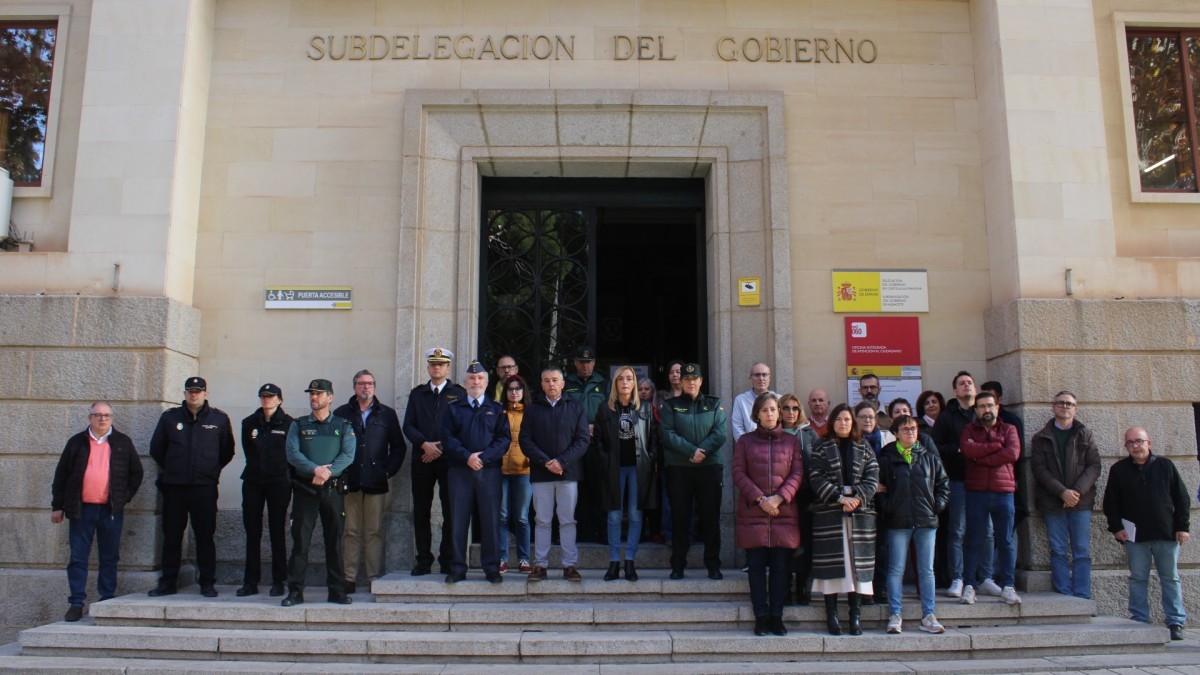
(201, 151)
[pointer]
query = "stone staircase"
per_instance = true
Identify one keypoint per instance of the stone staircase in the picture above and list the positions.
(422, 621)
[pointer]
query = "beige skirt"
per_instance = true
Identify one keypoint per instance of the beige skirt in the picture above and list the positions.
(846, 584)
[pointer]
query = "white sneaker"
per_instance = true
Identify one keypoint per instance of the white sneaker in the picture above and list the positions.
(968, 596)
(955, 590)
(930, 624)
(988, 587)
(1009, 596)
(894, 623)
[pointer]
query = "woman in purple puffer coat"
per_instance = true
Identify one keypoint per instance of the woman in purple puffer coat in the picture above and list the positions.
(768, 470)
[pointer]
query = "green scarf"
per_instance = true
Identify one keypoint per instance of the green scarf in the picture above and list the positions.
(906, 453)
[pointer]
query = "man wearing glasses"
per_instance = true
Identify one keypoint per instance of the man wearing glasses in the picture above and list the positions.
(1147, 504)
(98, 474)
(869, 389)
(506, 367)
(377, 457)
(760, 381)
(990, 450)
(1066, 465)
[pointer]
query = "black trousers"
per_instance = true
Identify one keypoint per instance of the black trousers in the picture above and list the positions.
(326, 503)
(275, 497)
(424, 477)
(471, 491)
(768, 579)
(199, 504)
(701, 486)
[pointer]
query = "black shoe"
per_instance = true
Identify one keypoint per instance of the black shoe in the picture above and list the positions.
(294, 597)
(1176, 630)
(208, 590)
(351, 586)
(444, 569)
(421, 570)
(869, 600)
(760, 626)
(495, 578)
(677, 573)
(880, 598)
(803, 596)
(855, 602)
(614, 571)
(630, 571)
(163, 588)
(831, 617)
(75, 613)
(339, 598)
(277, 589)
(246, 589)
(715, 574)
(775, 624)
(453, 578)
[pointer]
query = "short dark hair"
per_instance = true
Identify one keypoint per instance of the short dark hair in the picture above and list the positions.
(992, 385)
(897, 401)
(984, 394)
(900, 421)
(868, 376)
(524, 389)
(759, 402)
(924, 398)
(954, 382)
(1066, 392)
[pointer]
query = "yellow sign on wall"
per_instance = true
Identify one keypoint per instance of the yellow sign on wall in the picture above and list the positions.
(749, 291)
(880, 291)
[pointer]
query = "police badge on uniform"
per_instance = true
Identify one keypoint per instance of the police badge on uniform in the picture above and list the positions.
(179, 426)
(254, 433)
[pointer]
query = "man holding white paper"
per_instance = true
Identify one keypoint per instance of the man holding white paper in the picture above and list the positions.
(1147, 507)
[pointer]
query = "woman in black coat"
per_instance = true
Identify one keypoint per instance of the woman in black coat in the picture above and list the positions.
(627, 444)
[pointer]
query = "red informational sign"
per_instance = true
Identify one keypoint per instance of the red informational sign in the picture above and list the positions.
(888, 347)
(875, 341)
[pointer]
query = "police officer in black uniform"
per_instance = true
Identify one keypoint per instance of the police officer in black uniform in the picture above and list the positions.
(475, 436)
(265, 482)
(190, 445)
(319, 447)
(427, 404)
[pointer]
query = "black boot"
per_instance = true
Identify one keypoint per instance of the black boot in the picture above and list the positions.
(614, 571)
(775, 624)
(630, 571)
(855, 601)
(760, 626)
(803, 594)
(831, 617)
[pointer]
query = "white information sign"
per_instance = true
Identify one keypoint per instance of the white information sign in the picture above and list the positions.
(308, 297)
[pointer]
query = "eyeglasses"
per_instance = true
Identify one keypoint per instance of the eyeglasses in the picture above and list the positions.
(101, 416)
(908, 430)
(1064, 404)
(760, 375)
(506, 368)
(516, 389)
(1137, 441)
(364, 384)
(865, 418)
(791, 408)
(870, 387)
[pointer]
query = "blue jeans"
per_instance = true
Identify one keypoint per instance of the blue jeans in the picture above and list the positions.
(923, 539)
(515, 496)
(628, 486)
(1166, 562)
(957, 526)
(1070, 530)
(94, 521)
(996, 509)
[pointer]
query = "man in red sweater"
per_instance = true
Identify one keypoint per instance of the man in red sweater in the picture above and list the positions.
(990, 449)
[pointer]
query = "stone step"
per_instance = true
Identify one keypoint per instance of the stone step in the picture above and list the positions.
(513, 612)
(596, 556)
(1103, 636)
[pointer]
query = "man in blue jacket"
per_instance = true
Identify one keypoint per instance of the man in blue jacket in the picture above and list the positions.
(377, 458)
(554, 436)
(475, 436)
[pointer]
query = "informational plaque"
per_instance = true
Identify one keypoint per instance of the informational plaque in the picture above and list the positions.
(308, 297)
(888, 347)
(880, 291)
(749, 291)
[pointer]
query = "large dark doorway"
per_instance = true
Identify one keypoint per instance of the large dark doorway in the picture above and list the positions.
(613, 263)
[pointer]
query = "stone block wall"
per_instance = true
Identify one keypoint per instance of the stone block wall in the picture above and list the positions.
(1130, 363)
(58, 354)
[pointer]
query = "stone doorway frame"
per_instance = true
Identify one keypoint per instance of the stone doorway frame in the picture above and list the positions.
(734, 140)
